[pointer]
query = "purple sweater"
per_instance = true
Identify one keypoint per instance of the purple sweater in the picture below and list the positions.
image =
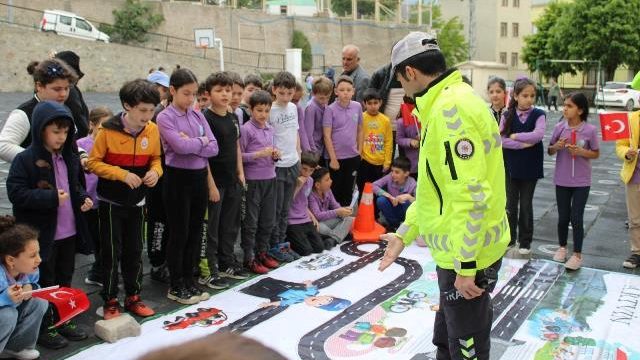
(86, 143)
(323, 207)
(254, 138)
(298, 211)
(526, 137)
(185, 153)
(404, 135)
(385, 183)
(302, 130)
(313, 125)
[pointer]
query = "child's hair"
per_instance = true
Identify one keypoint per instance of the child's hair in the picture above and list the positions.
(202, 89)
(182, 77)
(221, 78)
(336, 304)
(309, 158)
(299, 87)
(50, 70)
(371, 94)
(139, 91)
(408, 100)
(497, 80)
(284, 79)
(322, 86)
(260, 97)
(60, 122)
(14, 238)
(401, 163)
(219, 346)
(254, 80)
(235, 78)
(318, 174)
(518, 86)
(581, 102)
(344, 78)
(98, 113)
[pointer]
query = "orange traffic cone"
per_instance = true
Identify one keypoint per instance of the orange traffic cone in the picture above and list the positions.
(365, 228)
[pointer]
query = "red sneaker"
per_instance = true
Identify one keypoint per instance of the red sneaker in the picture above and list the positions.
(134, 305)
(268, 261)
(256, 267)
(111, 309)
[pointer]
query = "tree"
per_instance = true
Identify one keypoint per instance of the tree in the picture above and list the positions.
(365, 8)
(548, 43)
(299, 41)
(450, 35)
(605, 31)
(132, 22)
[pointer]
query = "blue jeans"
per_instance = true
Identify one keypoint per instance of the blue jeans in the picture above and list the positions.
(393, 214)
(21, 325)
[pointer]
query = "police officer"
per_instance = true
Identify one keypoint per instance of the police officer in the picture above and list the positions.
(460, 203)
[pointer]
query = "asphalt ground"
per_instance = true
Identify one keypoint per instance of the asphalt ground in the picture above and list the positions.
(606, 242)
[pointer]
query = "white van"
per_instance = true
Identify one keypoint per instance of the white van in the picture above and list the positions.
(70, 24)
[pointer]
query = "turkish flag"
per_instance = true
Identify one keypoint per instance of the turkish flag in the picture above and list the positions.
(68, 301)
(615, 126)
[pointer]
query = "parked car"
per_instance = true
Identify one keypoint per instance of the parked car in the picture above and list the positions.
(70, 24)
(618, 94)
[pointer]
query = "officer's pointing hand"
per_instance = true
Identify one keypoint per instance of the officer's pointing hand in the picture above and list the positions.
(466, 285)
(394, 248)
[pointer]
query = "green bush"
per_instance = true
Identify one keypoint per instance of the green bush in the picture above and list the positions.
(300, 41)
(132, 22)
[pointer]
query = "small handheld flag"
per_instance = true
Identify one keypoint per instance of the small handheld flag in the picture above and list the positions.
(69, 302)
(615, 126)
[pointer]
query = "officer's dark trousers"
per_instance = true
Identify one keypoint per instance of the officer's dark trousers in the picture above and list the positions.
(462, 329)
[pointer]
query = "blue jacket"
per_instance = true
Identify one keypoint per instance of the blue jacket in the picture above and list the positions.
(31, 184)
(6, 281)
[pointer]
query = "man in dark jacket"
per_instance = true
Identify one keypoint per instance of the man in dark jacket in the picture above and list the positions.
(75, 101)
(44, 187)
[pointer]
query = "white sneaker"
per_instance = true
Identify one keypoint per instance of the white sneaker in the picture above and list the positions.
(560, 255)
(524, 251)
(25, 354)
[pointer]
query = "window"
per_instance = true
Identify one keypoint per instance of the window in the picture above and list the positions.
(516, 3)
(66, 20)
(515, 29)
(81, 24)
(505, 3)
(514, 59)
(503, 29)
(283, 9)
(503, 57)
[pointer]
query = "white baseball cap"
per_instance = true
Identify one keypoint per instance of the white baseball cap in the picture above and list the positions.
(416, 42)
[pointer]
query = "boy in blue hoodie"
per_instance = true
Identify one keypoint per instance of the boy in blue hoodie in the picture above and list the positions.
(44, 187)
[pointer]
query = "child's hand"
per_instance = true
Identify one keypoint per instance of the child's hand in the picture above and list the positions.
(513, 137)
(150, 178)
(204, 140)
(62, 196)
(394, 200)
(343, 211)
(334, 165)
(316, 224)
(631, 154)
(575, 150)
(308, 283)
(83, 162)
(266, 152)
(414, 144)
(402, 198)
(301, 180)
(214, 194)
(270, 304)
(560, 144)
(132, 180)
(385, 169)
(15, 293)
(26, 291)
(183, 135)
(87, 205)
(276, 154)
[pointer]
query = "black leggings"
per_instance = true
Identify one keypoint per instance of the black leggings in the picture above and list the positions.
(185, 198)
(571, 202)
(344, 179)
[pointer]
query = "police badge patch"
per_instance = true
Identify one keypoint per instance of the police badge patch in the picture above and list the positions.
(464, 148)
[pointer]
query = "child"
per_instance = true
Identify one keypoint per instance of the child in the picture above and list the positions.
(395, 191)
(576, 143)
(258, 158)
(377, 149)
(225, 186)
(203, 98)
(188, 143)
(522, 130)
(251, 84)
(497, 90)
(334, 221)
(342, 131)
(97, 116)
(321, 90)
(408, 131)
(237, 90)
(52, 79)
(302, 230)
(161, 81)
(282, 294)
(126, 159)
(44, 188)
(283, 118)
(20, 314)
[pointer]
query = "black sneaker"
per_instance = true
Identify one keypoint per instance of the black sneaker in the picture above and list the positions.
(71, 331)
(52, 340)
(235, 272)
(217, 283)
(160, 274)
(195, 291)
(183, 296)
(632, 262)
